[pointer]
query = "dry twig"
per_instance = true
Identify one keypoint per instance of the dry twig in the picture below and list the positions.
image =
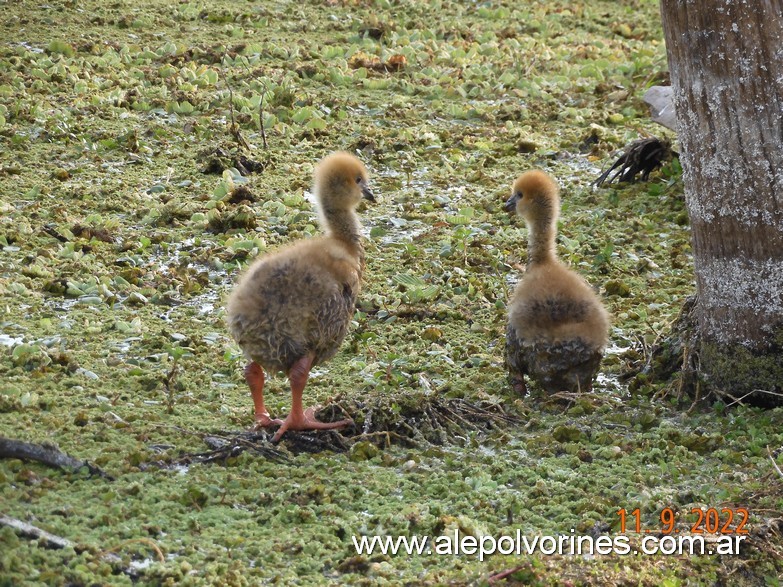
(47, 539)
(261, 115)
(774, 464)
(47, 454)
(148, 541)
(234, 128)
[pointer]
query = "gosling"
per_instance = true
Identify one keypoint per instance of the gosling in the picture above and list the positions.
(557, 326)
(291, 309)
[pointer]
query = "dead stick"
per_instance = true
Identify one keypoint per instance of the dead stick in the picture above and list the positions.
(261, 116)
(49, 540)
(148, 541)
(774, 464)
(234, 127)
(46, 454)
(503, 575)
(30, 531)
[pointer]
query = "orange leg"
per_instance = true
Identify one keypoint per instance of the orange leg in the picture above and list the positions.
(254, 375)
(300, 419)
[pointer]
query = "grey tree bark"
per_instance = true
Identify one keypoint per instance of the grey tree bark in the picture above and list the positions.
(726, 64)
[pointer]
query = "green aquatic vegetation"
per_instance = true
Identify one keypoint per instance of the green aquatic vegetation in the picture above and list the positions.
(416, 289)
(129, 206)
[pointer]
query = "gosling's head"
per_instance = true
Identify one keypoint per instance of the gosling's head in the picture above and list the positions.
(534, 196)
(341, 182)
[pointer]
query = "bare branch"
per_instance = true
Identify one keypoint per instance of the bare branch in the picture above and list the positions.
(47, 454)
(261, 115)
(774, 464)
(234, 128)
(30, 531)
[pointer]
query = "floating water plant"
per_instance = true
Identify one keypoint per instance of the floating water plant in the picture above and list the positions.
(129, 205)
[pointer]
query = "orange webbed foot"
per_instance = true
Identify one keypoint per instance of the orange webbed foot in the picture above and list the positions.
(307, 421)
(264, 421)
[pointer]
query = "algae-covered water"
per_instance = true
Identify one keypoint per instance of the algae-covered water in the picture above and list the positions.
(149, 152)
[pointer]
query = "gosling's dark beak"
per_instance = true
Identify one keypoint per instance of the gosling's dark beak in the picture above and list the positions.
(511, 203)
(366, 193)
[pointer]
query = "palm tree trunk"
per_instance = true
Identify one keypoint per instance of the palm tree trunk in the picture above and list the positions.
(726, 64)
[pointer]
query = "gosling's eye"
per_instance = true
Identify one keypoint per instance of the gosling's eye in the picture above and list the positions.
(359, 179)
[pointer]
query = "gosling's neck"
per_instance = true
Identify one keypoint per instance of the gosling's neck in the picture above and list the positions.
(341, 224)
(541, 239)
(344, 226)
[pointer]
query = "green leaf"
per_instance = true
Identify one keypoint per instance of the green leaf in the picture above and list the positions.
(464, 216)
(167, 49)
(221, 190)
(303, 114)
(409, 281)
(430, 292)
(61, 47)
(316, 124)
(184, 107)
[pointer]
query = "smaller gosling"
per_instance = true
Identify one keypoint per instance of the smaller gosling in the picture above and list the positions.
(291, 309)
(557, 326)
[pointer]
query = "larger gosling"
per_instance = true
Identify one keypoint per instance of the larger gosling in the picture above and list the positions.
(291, 309)
(557, 326)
